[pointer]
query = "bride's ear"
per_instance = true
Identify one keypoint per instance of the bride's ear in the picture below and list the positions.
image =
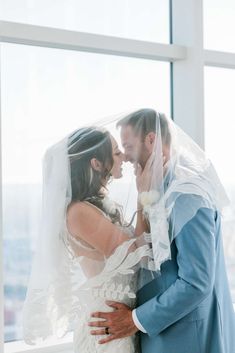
(96, 165)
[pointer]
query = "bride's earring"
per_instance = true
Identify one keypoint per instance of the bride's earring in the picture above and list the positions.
(109, 178)
(91, 175)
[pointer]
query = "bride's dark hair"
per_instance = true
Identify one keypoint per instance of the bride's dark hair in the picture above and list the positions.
(86, 182)
(83, 145)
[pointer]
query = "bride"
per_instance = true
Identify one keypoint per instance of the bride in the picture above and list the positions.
(87, 253)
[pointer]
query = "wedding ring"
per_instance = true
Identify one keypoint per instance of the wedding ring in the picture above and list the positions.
(106, 330)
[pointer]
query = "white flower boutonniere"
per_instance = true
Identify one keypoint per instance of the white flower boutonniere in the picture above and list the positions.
(109, 206)
(149, 198)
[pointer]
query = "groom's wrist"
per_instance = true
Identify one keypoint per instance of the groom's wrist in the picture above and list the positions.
(136, 322)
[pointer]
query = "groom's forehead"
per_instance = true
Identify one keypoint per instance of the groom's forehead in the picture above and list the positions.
(128, 131)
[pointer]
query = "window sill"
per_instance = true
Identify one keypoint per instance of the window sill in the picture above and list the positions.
(64, 345)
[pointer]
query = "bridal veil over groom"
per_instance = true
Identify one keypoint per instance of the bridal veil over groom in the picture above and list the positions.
(155, 283)
(187, 308)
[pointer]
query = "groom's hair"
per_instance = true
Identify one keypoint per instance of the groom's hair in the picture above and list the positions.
(144, 121)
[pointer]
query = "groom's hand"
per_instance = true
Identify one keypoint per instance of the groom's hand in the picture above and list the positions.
(119, 322)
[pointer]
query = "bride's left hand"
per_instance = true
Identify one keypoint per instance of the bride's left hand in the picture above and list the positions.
(144, 175)
(119, 322)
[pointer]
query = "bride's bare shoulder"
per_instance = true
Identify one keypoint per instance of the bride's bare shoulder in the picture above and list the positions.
(82, 218)
(86, 221)
(81, 209)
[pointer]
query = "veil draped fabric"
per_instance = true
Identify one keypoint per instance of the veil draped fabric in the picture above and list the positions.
(67, 273)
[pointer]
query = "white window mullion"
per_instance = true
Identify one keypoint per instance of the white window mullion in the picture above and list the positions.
(188, 80)
(219, 59)
(1, 238)
(20, 33)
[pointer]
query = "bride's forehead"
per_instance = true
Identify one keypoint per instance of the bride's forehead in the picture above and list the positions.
(113, 141)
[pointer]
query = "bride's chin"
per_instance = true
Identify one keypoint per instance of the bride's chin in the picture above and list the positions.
(117, 176)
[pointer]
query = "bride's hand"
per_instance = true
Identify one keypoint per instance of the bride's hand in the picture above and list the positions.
(143, 175)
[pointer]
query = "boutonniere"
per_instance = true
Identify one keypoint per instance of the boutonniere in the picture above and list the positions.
(109, 206)
(148, 198)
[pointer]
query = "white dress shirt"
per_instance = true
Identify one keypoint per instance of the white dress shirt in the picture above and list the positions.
(136, 322)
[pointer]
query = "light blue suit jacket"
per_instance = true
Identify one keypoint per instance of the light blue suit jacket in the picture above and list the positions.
(188, 308)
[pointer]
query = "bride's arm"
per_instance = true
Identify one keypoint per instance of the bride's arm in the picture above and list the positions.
(89, 224)
(141, 223)
(142, 184)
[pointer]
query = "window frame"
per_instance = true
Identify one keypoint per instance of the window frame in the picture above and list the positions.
(188, 58)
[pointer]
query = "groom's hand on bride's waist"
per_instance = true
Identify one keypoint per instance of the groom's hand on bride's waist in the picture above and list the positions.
(115, 324)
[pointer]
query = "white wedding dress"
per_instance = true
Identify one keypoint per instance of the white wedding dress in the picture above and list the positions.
(84, 281)
(113, 280)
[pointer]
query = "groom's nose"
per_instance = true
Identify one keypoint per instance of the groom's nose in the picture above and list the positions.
(125, 158)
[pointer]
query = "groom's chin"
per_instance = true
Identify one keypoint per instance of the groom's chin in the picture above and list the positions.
(130, 159)
(118, 176)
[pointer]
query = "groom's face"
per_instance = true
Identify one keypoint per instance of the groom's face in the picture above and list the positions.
(134, 146)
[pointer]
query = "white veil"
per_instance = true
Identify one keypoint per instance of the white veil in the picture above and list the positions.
(179, 173)
(65, 268)
(178, 168)
(51, 271)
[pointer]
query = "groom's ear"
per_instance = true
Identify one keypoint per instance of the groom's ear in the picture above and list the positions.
(96, 165)
(149, 140)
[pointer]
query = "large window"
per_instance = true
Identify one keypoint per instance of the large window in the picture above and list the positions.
(47, 93)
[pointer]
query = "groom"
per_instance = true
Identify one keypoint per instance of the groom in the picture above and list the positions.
(188, 308)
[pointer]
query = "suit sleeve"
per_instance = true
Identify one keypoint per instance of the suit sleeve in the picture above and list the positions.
(196, 268)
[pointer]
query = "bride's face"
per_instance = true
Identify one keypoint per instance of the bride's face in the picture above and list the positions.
(118, 159)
